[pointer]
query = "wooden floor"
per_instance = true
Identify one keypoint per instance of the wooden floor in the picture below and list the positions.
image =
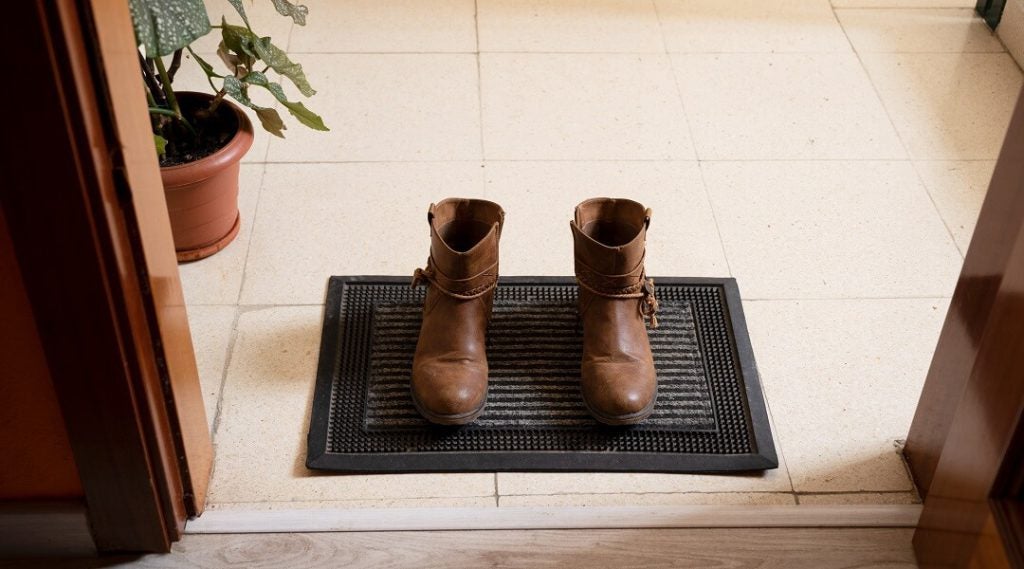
(647, 548)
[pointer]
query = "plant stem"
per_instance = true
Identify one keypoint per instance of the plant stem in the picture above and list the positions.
(152, 85)
(209, 79)
(168, 91)
(175, 64)
(170, 113)
(159, 111)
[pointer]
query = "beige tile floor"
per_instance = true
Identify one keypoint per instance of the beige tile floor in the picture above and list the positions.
(832, 158)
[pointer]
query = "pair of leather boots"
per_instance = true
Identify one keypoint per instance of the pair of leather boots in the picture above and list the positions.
(616, 300)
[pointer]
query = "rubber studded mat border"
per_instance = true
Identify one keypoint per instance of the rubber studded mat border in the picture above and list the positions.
(709, 417)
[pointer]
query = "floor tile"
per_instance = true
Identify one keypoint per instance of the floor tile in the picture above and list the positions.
(916, 30)
(263, 18)
(581, 107)
(958, 189)
(947, 106)
(261, 437)
(783, 106)
(750, 26)
(383, 26)
(595, 484)
(654, 499)
(211, 328)
(859, 498)
(558, 483)
(539, 199)
(903, 3)
(830, 229)
(218, 279)
(190, 77)
(843, 378)
(623, 26)
(452, 502)
(388, 107)
(318, 220)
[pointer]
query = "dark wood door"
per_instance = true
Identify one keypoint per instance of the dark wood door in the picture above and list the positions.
(966, 444)
(83, 203)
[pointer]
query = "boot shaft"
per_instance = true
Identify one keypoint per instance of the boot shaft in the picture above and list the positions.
(464, 235)
(609, 236)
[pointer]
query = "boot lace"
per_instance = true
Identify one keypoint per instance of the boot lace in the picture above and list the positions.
(642, 290)
(430, 274)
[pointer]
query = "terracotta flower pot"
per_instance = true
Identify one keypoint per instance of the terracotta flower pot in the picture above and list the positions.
(202, 196)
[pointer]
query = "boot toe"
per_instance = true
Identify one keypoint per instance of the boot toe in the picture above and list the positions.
(447, 394)
(619, 394)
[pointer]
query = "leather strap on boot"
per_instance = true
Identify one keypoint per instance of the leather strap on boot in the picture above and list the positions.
(462, 289)
(633, 284)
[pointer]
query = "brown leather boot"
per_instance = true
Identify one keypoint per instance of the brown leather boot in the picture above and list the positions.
(449, 370)
(615, 298)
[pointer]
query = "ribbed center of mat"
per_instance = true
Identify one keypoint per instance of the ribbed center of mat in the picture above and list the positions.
(534, 355)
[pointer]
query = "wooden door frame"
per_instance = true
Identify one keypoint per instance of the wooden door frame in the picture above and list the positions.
(965, 444)
(85, 207)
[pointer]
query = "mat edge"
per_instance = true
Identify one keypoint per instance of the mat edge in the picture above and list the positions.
(765, 456)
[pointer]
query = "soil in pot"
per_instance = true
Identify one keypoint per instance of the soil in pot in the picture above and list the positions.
(213, 130)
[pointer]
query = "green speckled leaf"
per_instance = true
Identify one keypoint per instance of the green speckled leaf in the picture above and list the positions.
(206, 67)
(237, 91)
(278, 61)
(305, 116)
(297, 12)
(243, 41)
(269, 118)
(165, 26)
(298, 110)
(239, 39)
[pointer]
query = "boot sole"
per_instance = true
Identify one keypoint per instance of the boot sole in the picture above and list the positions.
(620, 420)
(449, 420)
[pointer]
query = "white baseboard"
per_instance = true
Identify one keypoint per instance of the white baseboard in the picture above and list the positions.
(422, 519)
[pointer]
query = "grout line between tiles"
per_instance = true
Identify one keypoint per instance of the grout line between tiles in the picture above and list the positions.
(714, 217)
(252, 233)
(693, 141)
(345, 500)
(935, 207)
(552, 494)
(894, 7)
(622, 53)
(902, 8)
(613, 160)
(253, 307)
(218, 409)
(479, 80)
(851, 492)
(899, 136)
(842, 298)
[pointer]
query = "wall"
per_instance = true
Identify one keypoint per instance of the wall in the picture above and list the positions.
(34, 451)
(1011, 29)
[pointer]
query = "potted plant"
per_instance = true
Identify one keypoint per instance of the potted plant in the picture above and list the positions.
(201, 137)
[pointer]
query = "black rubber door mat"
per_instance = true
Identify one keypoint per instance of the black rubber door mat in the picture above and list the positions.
(710, 414)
